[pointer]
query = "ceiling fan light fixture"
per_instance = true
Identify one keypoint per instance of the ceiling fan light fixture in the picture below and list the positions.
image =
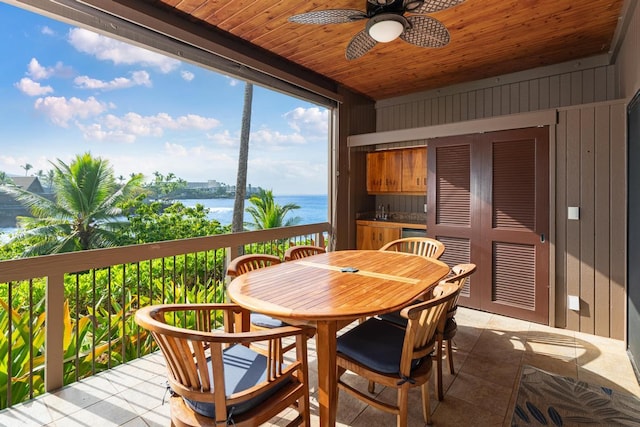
(386, 27)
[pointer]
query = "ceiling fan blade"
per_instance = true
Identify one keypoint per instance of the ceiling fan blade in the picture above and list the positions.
(329, 16)
(426, 31)
(360, 44)
(430, 6)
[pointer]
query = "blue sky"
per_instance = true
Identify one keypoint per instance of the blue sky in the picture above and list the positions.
(65, 90)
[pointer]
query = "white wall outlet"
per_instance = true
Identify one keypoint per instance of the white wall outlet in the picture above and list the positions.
(573, 212)
(574, 302)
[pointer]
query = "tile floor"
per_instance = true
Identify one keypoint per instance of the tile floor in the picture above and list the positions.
(490, 350)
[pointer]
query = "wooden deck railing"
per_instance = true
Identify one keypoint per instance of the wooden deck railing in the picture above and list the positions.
(67, 316)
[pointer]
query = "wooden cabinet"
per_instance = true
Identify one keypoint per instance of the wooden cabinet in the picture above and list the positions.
(384, 171)
(414, 170)
(374, 236)
(397, 171)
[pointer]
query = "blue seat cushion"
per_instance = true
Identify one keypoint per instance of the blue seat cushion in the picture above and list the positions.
(395, 318)
(376, 344)
(243, 368)
(265, 321)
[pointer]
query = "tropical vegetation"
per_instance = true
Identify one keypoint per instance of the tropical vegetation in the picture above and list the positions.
(266, 213)
(90, 208)
(84, 213)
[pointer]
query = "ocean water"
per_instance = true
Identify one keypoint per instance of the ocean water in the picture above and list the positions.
(313, 209)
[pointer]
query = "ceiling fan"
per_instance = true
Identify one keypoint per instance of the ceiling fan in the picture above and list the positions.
(386, 22)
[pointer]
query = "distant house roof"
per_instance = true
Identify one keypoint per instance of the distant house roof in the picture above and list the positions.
(29, 183)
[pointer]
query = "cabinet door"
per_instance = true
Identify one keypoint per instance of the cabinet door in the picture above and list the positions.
(387, 234)
(384, 171)
(375, 172)
(365, 237)
(414, 170)
(392, 179)
(370, 237)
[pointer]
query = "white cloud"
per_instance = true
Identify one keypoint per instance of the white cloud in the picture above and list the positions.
(95, 132)
(38, 72)
(175, 150)
(31, 88)
(232, 81)
(275, 139)
(224, 139)
(132, 125)
(138, 78)
(187, 75)
(61, 110)
(47, 31)
(312, 122)
(107, 49)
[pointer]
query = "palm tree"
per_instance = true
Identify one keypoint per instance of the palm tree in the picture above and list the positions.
(241, 179)
(84, 213)
(4, 178)
(26, 167)
(266, 213)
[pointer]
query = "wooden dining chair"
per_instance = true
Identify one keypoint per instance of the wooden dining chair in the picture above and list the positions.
(423, 246)
(215, 375)
(302, 251)
(396, 357)
(249, 262)
(461, 273)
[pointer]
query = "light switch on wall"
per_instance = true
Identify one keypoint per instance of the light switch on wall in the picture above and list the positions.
(573, 302)
(573, 212)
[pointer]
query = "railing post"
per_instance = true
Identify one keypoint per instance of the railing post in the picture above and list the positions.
(54, 351)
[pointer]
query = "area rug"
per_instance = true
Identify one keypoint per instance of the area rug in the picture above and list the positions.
(546, 399)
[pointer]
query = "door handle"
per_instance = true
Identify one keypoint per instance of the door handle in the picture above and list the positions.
(542, 237)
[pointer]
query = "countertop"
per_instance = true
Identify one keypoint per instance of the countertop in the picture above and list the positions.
(400, 223)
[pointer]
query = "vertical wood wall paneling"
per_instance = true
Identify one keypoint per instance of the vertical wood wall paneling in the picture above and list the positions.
(587, 95)
(576, 88)
(534, 99)
(565, 90)
(573, 226)
(543, 94)
(488, 102)
(602, 221)
(561, 221)
(587, 220)
(514, 98)
(504, 100)
(618, 202)
(600, 89)
(464, 102)
(480, 104)
(471, 105)
(554, 91)
(553, 232)
(575, 256)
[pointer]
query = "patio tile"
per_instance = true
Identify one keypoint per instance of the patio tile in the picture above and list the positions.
(455, 412)
(481, 392)
(489, 353)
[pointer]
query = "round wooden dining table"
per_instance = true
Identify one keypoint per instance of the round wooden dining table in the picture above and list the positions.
(331, 290)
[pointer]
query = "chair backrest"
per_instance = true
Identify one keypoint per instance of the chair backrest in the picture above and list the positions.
(425, 320)
(302, 251)
(423, 246)
(195, 356)
(245, 263)
(461, 273)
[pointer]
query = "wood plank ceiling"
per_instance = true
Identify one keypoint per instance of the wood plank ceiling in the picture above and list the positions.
(488, 38)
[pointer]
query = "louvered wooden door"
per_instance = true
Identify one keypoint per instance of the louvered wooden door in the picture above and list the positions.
(501, 222)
